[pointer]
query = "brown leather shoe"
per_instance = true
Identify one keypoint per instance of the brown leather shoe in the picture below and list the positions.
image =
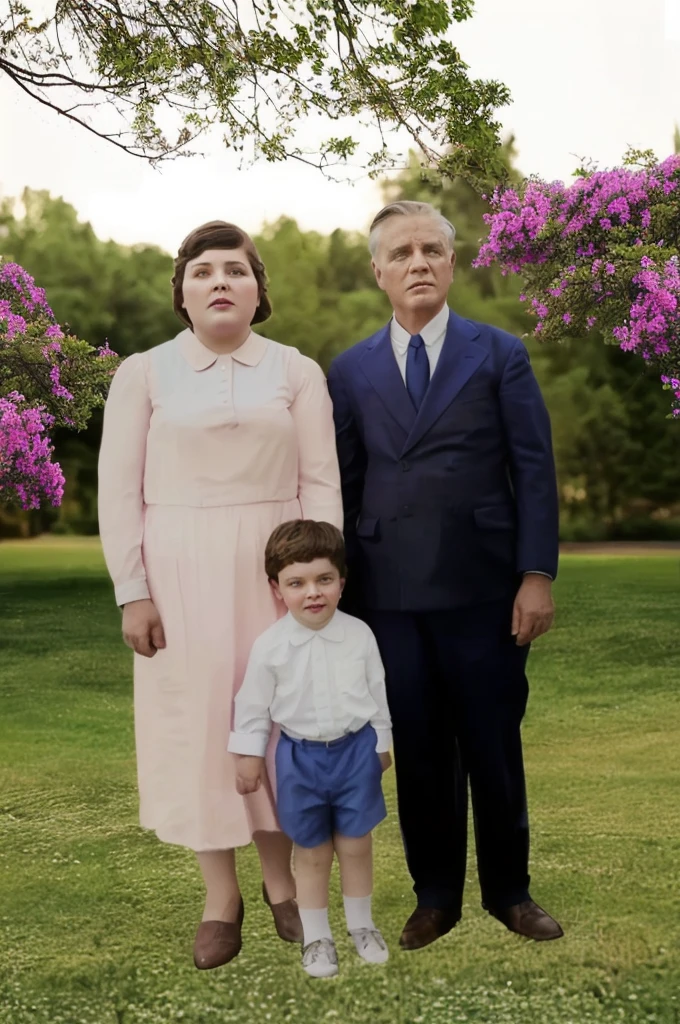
(286, 918)
(218, 942)
(529, 920)
(426, 925)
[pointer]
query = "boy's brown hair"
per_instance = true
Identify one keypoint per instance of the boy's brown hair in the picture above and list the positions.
(303, 540)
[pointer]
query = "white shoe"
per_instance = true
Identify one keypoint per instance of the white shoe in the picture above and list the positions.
(320, 959)
(370, 945)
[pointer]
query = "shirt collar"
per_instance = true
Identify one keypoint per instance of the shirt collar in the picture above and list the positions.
(299, 634)
(200, 358)
(431, 333)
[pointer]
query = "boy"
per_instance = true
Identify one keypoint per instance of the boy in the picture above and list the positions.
(318, 675)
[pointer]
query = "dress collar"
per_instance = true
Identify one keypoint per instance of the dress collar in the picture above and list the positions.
(200, 358)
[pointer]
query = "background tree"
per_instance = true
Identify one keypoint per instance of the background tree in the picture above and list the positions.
(126, 69)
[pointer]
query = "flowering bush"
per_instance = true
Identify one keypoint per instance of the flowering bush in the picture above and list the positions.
(27, 474)
(48, 379)
(603, 252)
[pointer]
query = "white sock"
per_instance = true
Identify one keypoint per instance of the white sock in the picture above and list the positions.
(315, 925)
(358, 912)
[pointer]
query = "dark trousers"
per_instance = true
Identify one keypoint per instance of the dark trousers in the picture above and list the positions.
(457, 691)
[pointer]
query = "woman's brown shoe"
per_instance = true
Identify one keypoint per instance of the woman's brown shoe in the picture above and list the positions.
(286, 918)
(218, 942)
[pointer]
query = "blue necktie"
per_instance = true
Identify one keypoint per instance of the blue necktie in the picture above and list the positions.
(417, 370)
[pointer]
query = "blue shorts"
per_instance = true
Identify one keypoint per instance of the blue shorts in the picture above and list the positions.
(327, 788)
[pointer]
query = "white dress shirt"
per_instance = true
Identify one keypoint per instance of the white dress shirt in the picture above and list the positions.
(316, 684)
(433, 335)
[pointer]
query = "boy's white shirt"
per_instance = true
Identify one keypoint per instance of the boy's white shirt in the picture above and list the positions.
(316, 684)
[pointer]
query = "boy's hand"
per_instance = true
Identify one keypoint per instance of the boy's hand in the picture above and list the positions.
(385, 760)
(249, 774)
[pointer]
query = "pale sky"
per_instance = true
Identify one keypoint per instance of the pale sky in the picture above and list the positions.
(587, 77)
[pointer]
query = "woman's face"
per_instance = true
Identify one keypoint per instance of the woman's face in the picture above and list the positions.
(220, 293)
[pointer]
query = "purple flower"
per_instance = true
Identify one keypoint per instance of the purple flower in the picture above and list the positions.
(560, 237)
(619, 207)
(58, 390)
(31, 298)
(27, 474)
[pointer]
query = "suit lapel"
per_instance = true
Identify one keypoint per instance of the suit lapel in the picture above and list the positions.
(459, 358)
(380, 367)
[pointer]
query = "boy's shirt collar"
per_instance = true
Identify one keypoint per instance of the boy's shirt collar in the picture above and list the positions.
(299, 634)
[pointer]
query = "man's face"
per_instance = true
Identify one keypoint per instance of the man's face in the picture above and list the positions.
(414, 265)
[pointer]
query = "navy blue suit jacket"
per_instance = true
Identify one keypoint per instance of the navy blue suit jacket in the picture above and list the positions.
(450, 506)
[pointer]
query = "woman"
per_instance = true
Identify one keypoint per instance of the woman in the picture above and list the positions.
(210, 441)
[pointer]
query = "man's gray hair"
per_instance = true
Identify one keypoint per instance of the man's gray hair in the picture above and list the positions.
(408, 208)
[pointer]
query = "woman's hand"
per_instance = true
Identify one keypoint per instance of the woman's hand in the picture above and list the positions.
(385, 760)
(249, 774)
(142, 628)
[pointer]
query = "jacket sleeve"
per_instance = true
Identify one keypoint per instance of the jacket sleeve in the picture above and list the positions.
(122, 458)
(532, 465)
(351, 456)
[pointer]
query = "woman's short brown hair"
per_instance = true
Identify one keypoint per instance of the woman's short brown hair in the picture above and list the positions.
(303, 540)
(217, 234)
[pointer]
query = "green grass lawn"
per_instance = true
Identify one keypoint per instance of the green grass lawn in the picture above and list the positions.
(97, 918)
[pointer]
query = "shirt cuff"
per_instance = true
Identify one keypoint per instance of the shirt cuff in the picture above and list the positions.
(536, 572)
(133, 590)
(252, 744)
(384, 741)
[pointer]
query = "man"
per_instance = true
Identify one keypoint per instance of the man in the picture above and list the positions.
(451, 525)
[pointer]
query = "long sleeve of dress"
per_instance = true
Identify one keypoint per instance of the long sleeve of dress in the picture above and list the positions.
(319, 475)
(121, 476)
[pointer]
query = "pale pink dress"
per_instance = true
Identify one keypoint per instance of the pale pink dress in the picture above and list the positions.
(201, 457)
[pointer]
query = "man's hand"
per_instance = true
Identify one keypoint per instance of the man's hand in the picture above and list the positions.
(534, 609)
(385, 760)
(142, 628)
(249, 774)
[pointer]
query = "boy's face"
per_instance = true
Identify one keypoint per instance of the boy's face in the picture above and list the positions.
(310, 591)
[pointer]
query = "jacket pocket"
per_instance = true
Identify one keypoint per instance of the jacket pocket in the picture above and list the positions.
(495, 517)
(367, 528)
